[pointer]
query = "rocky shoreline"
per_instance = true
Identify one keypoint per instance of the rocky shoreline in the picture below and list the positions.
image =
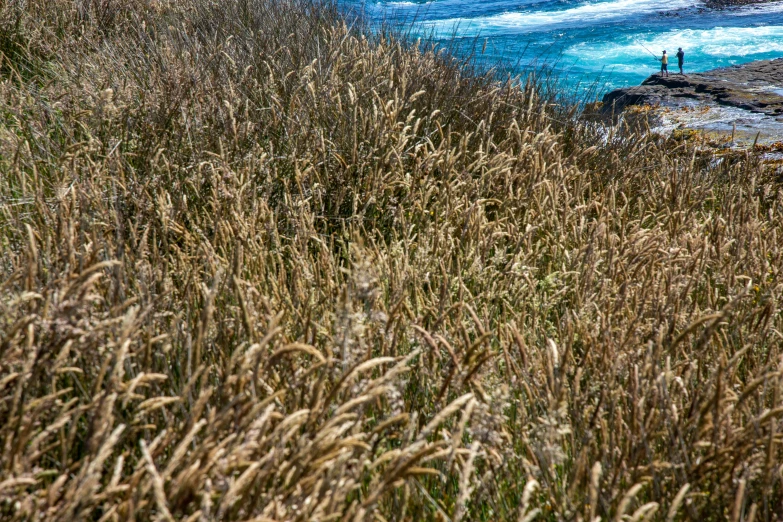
(756, 87)
(737, 107)
(724, 4)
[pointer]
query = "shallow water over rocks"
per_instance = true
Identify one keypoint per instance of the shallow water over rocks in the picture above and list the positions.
(739, 105)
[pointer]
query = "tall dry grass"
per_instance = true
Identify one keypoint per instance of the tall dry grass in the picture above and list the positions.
(258, 264)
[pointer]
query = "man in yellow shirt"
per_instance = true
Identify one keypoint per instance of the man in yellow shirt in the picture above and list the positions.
(665, 64)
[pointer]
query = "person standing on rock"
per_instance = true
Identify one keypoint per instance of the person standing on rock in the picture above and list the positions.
(664, 64)
(680, 59)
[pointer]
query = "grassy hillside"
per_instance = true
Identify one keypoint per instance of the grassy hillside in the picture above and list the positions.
(258, 264)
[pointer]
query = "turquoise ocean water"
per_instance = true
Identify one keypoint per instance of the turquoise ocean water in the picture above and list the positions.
(609, 41)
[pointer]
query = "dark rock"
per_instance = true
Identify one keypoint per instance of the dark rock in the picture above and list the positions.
(725, 4)
(756, 87)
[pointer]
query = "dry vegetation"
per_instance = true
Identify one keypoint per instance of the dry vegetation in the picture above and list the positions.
(258, 266)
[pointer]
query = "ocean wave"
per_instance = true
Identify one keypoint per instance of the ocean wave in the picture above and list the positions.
(584, 14)
(405, 4)
(717, 42)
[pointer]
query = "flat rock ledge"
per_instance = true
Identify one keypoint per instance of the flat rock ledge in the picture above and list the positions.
(756, 87)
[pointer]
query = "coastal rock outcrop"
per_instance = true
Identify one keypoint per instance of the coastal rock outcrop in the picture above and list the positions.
(723, 4)
(756, 87)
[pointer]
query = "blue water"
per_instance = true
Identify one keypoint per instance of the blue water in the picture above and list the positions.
(608, 43)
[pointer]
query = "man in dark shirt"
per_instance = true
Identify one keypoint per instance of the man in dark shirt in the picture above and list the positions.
(680, 59)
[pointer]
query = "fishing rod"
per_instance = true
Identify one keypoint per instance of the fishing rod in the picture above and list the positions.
(646, 49)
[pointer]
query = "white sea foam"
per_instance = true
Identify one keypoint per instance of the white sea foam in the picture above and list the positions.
(718, 42)
(584, 14)
(727, 41)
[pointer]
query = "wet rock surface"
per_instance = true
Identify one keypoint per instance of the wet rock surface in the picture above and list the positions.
(756, 87)
(739, 107)
(724, 4)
